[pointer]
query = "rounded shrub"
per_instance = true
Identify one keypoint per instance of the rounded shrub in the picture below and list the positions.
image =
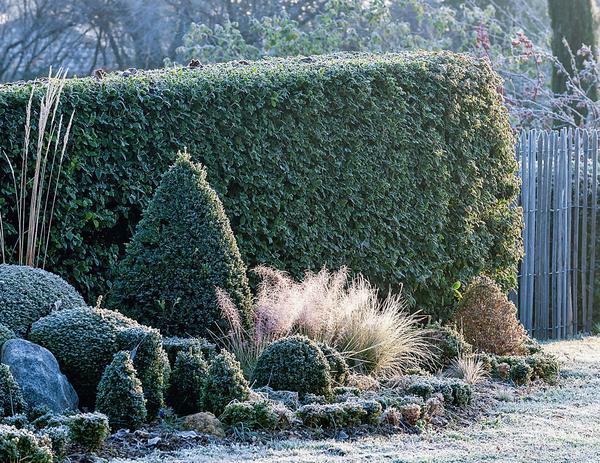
(11, 396)
(489, 320)
(521, 373)
(85, 340)
(120, 394)
(446, 344)
(27, 294)
(224, 384)
(294, 364)
(182, 250)
(22, 445)
(338, 367)
(6, 334)
(89, 430)
(250, 416)
(187, 382)
(150, 362)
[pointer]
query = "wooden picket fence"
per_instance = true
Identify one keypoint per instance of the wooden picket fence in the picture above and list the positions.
(559, 173)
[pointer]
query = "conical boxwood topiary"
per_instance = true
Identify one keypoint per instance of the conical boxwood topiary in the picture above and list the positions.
(187, 382)
(120, 395)
(224, 384)
(182, 249)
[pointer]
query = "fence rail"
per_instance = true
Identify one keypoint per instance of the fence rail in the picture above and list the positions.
(559, 197)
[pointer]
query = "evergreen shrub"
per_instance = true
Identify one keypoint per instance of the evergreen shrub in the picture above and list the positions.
(347, 159)
(28, 294)
(182, 250)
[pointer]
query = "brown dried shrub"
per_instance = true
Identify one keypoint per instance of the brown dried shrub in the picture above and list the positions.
(489, 320)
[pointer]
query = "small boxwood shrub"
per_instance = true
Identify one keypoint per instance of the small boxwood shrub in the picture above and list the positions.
(6, 334)
(255, 415)
(18, 421)
(11, 396)
(120, 394)
(59, 440)
(446, 344)
(183, 249)
(338, 367)
(150, 362)
(173, 345)
(28, 294)
(294, 364)
(187, 382)
(84, 342)
(22, 445)
(489, 320)
(545, 367)
(89, 430)
(316, 135)
(224, 384)
(520, 373)
(454, 391)
(344, 414)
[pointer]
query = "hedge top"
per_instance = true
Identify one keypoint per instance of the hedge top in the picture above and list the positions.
(399, 166)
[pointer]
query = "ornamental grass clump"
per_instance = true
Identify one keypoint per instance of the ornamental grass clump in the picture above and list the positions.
(375, 336)
(182, 249)
(489, 320)
(294, 364)
(225, 383)
(120, 394)
(188, 379)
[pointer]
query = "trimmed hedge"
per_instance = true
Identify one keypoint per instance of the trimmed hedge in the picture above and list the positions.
(399, 166)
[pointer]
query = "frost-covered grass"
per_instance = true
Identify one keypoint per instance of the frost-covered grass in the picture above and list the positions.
(548, 424)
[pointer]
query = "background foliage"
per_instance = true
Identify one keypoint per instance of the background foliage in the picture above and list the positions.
(400, 166)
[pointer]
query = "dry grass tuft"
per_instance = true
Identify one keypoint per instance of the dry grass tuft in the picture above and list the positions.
(376, 336)
(35, 197)
(468, 368)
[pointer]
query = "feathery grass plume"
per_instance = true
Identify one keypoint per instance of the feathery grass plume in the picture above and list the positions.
(375, 336)
(468, 368)
(36, 196)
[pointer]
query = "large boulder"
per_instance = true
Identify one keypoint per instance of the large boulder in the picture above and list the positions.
(37, 372)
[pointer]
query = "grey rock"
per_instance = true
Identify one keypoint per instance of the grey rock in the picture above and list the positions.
(36, 371)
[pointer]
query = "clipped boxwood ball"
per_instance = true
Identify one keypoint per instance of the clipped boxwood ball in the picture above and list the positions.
(85, 340)
(182, 250)
(28, 294)
(294, 364)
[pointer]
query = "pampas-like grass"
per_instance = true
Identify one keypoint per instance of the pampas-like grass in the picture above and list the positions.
(376, 336)
(36, 196)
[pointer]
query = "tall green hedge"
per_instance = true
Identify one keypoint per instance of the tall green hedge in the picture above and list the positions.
(399, 166)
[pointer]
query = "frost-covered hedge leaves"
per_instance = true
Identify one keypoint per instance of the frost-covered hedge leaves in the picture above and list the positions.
(398, 166)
